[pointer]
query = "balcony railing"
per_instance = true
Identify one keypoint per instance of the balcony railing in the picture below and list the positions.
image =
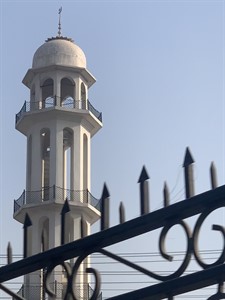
(54, 192)
(68, 103)
(83, 291)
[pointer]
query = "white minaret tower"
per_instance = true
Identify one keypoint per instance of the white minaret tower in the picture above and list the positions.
(58, 122)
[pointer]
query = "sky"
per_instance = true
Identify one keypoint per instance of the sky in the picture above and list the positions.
(160, 69)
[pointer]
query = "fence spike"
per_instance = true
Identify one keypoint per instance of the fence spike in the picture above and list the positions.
(144, 192)
(166, 195)
(105, 208)
(9, 253)
(64, 211)
(188, 174)
(122, 213)
(213, 175)
(27, 223)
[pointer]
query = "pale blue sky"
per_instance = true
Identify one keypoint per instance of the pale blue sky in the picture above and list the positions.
(160, 85)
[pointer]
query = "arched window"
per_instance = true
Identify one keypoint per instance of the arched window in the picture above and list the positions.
(68, 102)
(44, 233)
(33, 105)
(29, 162)
(83, 96)
(45, 152)
(47, 93)
(67, 93)
(49, 102)
(85, 162)
(32, 94)
(67, 160)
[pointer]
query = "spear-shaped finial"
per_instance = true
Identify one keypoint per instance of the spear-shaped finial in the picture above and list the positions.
(27, 223)
(59, 25)
(144, 193)
(105, 208)
(213, 176)
(122, 213)
(188, 174)
(166, 195)
(9, 254)
(64, 211)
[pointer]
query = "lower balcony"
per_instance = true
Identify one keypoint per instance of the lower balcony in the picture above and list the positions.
(55, 192)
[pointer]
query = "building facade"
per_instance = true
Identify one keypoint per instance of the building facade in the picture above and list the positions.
(58, 122)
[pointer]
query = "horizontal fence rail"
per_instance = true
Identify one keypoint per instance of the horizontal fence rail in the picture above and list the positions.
(55, 192)
(52, 102)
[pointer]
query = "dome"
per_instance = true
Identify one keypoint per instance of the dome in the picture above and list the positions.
(59, 51)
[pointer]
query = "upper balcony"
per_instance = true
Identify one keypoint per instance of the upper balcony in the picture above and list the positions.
(55, 102)
(53, 193)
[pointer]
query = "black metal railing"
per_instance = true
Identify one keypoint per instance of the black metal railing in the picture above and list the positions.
(83, 290)
(55, 193)
(52, 102)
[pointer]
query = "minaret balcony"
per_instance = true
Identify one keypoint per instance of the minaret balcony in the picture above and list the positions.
(55, 194)
(56, 102)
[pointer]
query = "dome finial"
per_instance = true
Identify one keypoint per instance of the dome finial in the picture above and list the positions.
(59, 26)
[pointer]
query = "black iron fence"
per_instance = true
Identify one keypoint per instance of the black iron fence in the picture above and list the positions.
(53, 193)
(52, 102)
(168, 285)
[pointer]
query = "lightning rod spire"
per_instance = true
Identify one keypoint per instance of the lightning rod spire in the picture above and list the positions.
(59, 25)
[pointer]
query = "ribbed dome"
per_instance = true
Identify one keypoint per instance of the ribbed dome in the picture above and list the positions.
(59, 51)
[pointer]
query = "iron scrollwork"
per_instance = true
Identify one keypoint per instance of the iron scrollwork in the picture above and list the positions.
(164, 219)
(71, 273)
(191, 249)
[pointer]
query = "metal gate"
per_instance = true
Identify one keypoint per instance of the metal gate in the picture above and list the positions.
(168, 286)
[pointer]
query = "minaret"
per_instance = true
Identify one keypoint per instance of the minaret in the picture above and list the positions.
(58, 122)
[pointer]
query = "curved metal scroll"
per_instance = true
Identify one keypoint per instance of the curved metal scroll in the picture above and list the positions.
(71, 274)
(196, 231)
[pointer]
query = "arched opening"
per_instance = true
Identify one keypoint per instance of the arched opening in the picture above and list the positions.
(83, 96)
(45, 152)
(33, 105)
(69, 229)
(29, 162)
(32, 94)
(49, 102)
(67, 93)
(47, 93)
(68, 102)
(44, 227)
(44, 235)
(85, 162)
(67, 160)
